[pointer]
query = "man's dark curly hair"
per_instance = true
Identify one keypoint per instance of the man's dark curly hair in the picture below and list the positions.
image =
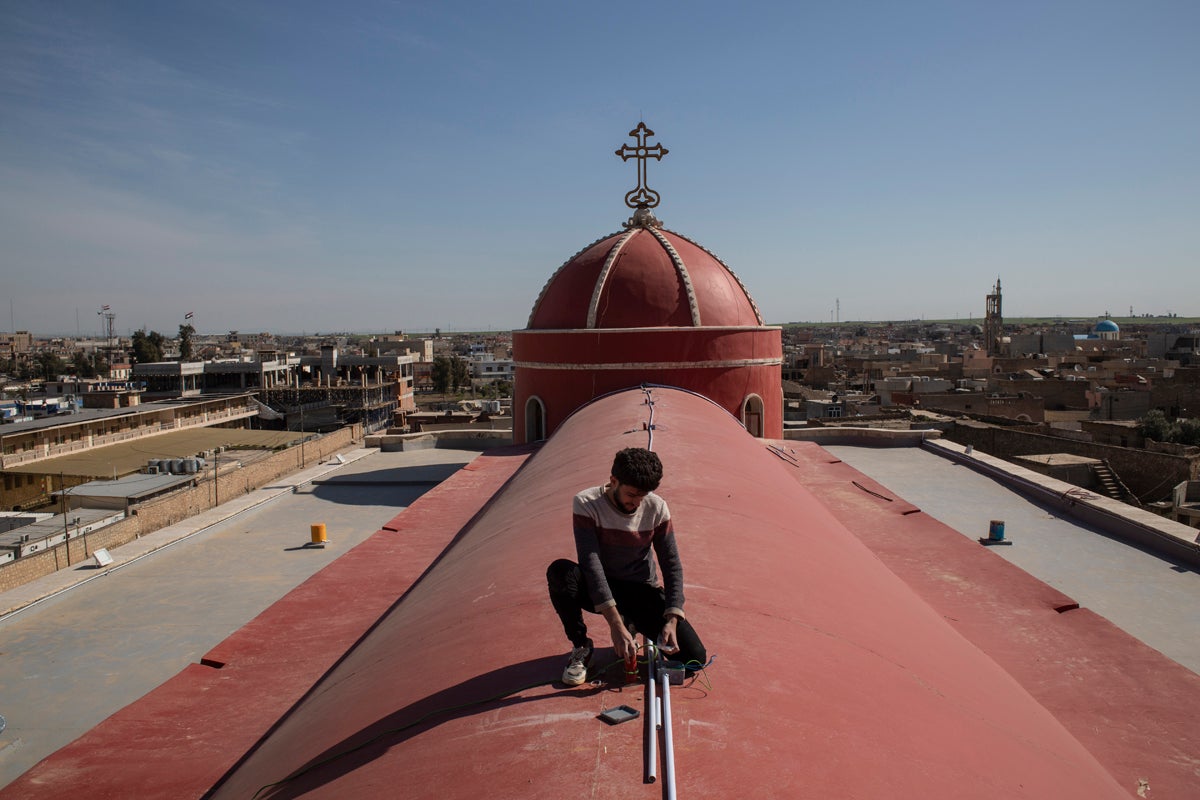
(638, 467)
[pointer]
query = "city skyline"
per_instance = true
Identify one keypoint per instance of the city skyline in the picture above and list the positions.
(389, 166)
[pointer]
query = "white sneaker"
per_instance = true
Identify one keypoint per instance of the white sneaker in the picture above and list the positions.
(576, 671)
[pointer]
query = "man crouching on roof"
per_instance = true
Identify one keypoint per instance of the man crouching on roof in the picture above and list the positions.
(615, 527)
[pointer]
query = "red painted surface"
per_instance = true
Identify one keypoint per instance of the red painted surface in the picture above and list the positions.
(839, 673)
(833, 678)
(645, 322)
(649, 355)
(1130, 705)
(643, 288)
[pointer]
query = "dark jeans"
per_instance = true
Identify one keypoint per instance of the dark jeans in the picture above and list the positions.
(640, 604)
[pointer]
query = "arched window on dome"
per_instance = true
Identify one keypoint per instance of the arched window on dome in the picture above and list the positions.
(535, 420)
(752, 415)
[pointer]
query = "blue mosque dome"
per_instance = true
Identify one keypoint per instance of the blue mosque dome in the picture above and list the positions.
(1106, 326)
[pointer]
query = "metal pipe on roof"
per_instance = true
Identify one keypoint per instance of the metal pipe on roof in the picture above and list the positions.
(652, 721)
(668, 743)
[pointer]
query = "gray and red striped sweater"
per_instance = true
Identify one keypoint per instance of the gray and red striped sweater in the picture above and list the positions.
(613, 545)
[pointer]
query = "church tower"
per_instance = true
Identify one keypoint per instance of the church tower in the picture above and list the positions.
(645, 305)
(993, 322)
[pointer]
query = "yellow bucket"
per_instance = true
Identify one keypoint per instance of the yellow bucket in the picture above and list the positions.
(318, 533)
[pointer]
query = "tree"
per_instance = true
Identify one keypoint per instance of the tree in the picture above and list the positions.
(440, 374)
(49, 365)
(1156, 426)
(147, 348)
(83, 365)
(495, 389)
(1188, 431)
(449, 374)
(460, 372)
(186, 332)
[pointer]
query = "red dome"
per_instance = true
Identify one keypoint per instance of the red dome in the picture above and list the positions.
(644, 277)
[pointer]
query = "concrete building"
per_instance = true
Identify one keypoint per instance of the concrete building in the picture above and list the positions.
(1183, 348)
(24, 444)
(491, 370)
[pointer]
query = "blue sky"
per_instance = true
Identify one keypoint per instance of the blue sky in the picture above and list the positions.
(373, 166)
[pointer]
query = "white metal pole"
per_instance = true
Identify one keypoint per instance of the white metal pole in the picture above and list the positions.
(653, 722)
(668, 744)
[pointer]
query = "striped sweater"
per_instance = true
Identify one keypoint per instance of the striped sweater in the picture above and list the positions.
(612, 545)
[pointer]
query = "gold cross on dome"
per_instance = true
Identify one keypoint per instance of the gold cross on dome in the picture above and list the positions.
(643, 196)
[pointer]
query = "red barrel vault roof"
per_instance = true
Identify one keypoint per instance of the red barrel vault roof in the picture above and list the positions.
(834, 679)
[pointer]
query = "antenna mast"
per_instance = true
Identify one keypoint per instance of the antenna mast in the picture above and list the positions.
(109, 346)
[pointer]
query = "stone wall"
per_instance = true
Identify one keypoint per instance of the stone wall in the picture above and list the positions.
(1057, 395)
(1179, 397)
(1150, 476)
(471, 439)
(1027, 409)
(161, 512)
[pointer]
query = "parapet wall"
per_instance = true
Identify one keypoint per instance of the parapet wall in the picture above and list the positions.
(1112, 516)
(1150, 476)
(149, 517)
(864, 437)
(459, 439)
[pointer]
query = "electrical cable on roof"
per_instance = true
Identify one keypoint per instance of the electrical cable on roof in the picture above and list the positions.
(868, 491)
(650, 423)
(787, 455)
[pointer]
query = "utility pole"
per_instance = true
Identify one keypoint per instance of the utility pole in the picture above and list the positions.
(106, 312)
(62, 488)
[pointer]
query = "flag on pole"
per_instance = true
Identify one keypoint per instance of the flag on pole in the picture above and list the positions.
(188, 315)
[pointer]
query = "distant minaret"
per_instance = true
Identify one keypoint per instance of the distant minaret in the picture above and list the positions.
(993, 322)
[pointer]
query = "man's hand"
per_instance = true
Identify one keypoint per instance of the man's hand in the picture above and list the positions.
(622, 640)
(667, 641)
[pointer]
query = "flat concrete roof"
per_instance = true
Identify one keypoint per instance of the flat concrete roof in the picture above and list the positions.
(132, 455)
(91, 414)
(131, 486)
(73, 418)
(83, 643)
(1058, 459)
(1150, 596)
(53, 525)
